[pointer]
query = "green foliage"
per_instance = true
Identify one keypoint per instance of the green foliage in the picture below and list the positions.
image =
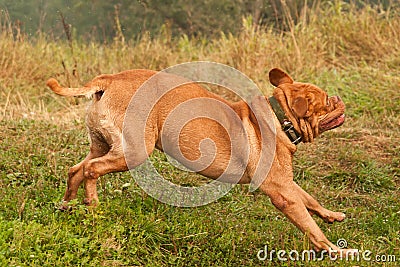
(96, 19)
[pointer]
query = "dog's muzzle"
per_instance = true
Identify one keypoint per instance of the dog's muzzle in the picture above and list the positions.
(335, 118)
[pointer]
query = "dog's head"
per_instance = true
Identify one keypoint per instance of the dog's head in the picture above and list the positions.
(307, 106)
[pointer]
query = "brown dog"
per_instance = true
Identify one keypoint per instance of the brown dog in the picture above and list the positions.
(304, 106)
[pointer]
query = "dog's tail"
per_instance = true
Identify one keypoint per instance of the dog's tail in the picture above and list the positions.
(88, 90)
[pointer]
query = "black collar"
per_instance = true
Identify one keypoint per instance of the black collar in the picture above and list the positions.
(287, 125)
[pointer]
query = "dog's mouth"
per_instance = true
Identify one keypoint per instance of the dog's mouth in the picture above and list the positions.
(335, 118)
(332, 123)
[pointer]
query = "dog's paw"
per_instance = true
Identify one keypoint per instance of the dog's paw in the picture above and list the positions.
(91, 202)
(345, 254)
(63, 206)
(332, 217)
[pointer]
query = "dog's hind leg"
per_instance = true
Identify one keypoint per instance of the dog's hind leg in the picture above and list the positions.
(113, 161)
(75, 178)
(98, 148)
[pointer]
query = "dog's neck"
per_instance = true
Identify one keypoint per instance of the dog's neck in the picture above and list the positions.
(286, 124)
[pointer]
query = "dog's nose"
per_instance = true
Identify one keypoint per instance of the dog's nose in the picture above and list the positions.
(338, 102)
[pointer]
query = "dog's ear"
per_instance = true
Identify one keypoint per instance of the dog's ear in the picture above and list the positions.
(300, 107)
(278, 77)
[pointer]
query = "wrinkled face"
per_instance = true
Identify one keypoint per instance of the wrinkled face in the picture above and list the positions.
(317, 108)
(312, 108)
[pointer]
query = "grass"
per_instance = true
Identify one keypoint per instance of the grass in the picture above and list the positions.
(354, 169)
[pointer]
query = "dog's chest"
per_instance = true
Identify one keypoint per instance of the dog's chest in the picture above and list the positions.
(254, 151)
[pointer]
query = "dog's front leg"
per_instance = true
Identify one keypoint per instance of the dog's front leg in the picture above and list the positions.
(285, 198)
(314, 207)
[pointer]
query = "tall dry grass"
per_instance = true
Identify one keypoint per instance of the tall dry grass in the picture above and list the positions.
(331, 35)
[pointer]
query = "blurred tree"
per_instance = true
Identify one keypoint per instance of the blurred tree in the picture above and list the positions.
(95, 19)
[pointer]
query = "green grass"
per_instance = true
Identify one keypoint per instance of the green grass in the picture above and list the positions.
(353, 169)
(130, 228)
